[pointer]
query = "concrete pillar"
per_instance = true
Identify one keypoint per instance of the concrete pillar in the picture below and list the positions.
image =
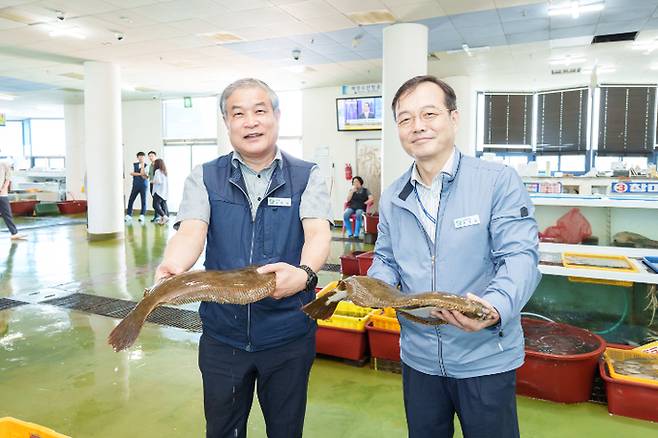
(405, 56)
(75, 151)
(103, 150)
(466, 104)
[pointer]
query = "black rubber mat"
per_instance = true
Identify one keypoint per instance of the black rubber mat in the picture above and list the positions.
(6, 303)
(331, 267)
(115, 308)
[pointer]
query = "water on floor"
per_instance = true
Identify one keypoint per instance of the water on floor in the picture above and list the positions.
(56, 368)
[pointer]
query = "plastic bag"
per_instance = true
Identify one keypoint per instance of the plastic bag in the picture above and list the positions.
(573, 227)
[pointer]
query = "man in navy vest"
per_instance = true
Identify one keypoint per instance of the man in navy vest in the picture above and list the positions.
(256, 205)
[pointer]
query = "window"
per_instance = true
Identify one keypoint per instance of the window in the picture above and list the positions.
(290, 125)
(572, 163)
(11, 139)
(548, 163)
(604, 163)
(507, 120)
(48, 138)
(562, 121)
(627, 120)
(198, 121)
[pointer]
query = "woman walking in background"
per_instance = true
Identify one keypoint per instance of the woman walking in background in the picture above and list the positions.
(160, 191)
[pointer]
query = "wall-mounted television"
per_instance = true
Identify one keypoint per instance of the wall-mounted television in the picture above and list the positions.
(359, 113)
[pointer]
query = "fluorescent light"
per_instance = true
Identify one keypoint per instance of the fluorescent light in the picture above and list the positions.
(574, 8)
(6, 97)
(298, 68)
(567, 60)
(71, 32)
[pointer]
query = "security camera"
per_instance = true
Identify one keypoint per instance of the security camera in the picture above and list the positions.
(119, 36)
(60, 15)
(296, 54)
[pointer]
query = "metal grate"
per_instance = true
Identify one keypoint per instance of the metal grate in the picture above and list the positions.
(6, 303)
(331, 267)
(115, 308)
(344, 239)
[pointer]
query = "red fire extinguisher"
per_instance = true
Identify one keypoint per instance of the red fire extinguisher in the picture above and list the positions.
(348, 171)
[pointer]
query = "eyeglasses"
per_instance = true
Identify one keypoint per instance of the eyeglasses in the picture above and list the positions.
(407, 120)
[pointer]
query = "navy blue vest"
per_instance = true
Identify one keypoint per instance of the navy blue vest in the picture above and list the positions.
(235, 241)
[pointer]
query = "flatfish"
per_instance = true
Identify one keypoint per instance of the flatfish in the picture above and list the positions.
(370, 292)
(241, 286)
(627, 238)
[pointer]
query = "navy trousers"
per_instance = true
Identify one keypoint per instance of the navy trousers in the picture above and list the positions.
(141, 191)
(5, 212)
(280, 376)
(486, 405)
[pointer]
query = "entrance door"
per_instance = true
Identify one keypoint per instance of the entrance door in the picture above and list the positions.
(368, 166)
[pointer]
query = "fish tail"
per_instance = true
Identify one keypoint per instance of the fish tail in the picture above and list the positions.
(125, 334)
(322, 307)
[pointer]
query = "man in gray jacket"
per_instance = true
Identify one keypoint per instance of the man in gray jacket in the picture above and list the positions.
(456, 224)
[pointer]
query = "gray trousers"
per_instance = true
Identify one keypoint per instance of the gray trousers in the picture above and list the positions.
(5, 212)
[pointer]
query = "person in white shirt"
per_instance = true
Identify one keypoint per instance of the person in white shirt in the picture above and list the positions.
(160, 191)
(5, 208)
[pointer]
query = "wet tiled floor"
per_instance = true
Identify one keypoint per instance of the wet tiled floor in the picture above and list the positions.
(57, 370)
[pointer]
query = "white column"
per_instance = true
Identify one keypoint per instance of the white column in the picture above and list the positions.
(74, 122)
(103, 150)
(405, 56)
(466, 104)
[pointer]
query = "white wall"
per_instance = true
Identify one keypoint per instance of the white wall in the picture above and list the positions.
(74, 123)
(320, 130)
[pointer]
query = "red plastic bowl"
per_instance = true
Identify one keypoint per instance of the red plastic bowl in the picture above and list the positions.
(365, 260)
(564, 378)
(371, 223)
(349, 264)
(72, 207)
(23, 208)
(340, 342)
(384, 344)
(630, 399)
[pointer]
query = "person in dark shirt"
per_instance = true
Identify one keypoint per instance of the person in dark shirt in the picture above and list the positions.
(358, 198)
(140, 184)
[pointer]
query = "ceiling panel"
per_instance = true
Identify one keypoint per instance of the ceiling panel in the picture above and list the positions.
(451, 7)
(309, 9)
(528, 25)
(349, 6)
(416, 11)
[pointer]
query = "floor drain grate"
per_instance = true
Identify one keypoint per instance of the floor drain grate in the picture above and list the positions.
(331, 267)
(115, 308)
(6, 303)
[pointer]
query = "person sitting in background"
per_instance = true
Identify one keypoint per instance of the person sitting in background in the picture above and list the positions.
(5, 208)
(160, 191)
(358, 198)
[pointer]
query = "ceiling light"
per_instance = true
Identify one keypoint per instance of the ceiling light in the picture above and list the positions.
(380, 16)
(468, 50)
(297, 68)
(574, 8)
(567, 60)
(6, 97)
(69, 32)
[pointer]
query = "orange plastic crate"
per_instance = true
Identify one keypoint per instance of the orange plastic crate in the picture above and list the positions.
(385, 319)
(13, 428)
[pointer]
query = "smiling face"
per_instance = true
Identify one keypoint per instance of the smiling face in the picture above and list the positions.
(426, 127)
(253, 125)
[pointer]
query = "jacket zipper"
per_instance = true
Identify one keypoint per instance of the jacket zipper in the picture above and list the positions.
(251, 255)
(439, 221)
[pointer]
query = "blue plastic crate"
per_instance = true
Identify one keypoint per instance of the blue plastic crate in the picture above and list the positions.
(651, 262)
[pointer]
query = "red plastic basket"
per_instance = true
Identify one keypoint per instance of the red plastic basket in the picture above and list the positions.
(565, 378)
(340, 342)
(371, 223)
(384, 344)
(23, 208)
(365, 260)
(630, 399)
(349, 264)
(72, 207)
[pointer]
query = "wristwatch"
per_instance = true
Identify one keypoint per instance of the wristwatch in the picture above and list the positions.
(312, 279)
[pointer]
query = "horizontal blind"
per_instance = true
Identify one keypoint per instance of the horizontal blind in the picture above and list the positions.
(507, 119)
(562, 122)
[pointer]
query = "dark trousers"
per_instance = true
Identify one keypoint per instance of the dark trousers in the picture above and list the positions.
(486, 405)
(160, 206)
(155, 215)
(280, 376)
(137, 190)
(5, 212)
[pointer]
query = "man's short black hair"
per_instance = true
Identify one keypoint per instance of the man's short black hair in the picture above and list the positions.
(358, 178)
(141, 154)
(152, 152)
(411, 84)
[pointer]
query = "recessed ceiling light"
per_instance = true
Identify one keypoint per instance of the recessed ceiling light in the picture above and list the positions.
(7, 97)
(574, 8)
(222, 37)
(380, 16)
(71, 32)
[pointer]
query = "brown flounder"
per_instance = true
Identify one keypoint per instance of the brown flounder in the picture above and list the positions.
(240, 286)
(370, 292)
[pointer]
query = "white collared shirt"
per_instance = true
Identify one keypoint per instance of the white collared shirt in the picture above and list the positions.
(429, 196)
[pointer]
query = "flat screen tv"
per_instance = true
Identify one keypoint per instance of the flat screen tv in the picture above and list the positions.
(359, 113)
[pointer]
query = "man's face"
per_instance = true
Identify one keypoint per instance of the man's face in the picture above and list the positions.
(357, 184)
(253, 126)
(140, 158)
(152, 157)
(366, 108)
(425, 126)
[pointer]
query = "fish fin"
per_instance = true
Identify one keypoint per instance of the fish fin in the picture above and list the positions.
(322, 307)
(125, 334)
(420, 319)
